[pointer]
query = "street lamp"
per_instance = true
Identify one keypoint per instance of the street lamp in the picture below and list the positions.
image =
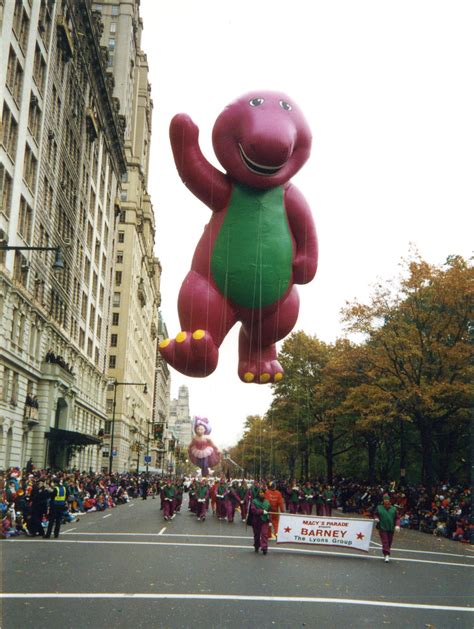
(152, 424)
(58, 264)
(115, 385)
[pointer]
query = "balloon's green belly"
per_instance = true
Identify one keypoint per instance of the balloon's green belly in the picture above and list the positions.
(251, 262)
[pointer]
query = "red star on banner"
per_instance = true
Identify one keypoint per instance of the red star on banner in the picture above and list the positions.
(288, 529)
(360, 536)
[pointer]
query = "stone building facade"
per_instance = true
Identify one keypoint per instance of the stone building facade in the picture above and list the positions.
(62, 161)
(133, 331)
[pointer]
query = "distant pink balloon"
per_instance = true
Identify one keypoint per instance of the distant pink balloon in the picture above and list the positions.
(202, 451)
(259, 243)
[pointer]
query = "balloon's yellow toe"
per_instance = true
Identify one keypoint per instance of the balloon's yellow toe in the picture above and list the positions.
(264, 377)
(278, 376)
(198, 334)
(181, 337)
(248, 377)
(165, 343)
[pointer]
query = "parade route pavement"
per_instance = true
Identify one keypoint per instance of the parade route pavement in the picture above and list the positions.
(127, 567)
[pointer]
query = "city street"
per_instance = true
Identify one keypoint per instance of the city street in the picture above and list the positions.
(129, 568)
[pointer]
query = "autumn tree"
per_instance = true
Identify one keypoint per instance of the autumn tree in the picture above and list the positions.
(418, 353)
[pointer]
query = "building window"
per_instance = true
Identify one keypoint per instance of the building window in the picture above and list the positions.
(9, 132)
(119, 257)
(113, 27)
(14, 394)
(34, 118)
(115, 318)
(21, 24)
(115, 9)
(90, 233)
(92, 318)
(14, 76)
(112, 43)
(116, 300)
(25, 220)
(39, 69)
(25, 27)
(6, 384)
(118, 278)
(5, 192)
(112, 362)
(121, 236)
(30, 166)
(87, 269)
(113, 340)
(84, 306)
(44, 22)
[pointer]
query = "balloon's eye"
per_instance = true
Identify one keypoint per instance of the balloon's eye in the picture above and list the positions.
(285, 105)
(256, 102)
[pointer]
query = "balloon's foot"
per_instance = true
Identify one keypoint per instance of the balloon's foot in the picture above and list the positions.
(191, 353)
(264, 372)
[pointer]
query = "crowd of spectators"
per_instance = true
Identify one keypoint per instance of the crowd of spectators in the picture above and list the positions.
(86, 492)
(445, 511)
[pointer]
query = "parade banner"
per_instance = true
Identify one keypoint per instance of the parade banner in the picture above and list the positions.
(343, 533)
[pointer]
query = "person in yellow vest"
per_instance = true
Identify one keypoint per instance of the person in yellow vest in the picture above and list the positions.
(57, 507)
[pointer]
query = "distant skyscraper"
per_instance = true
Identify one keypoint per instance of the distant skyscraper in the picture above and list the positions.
(180, 423)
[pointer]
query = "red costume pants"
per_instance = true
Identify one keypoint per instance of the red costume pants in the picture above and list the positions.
(307, 507)
(230, 510)
(168, 508)
(201, 508)
(220, 508)
(386, 537)
(260, 533)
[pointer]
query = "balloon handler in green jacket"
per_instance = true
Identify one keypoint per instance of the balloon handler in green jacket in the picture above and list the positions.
(260, 520)
(388, 521)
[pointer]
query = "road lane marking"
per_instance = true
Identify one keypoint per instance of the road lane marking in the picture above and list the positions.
(426, 552)
(69, 530)
(234, 546)
(400, 550)
(106, 516)
(166, 535)
(224, 597)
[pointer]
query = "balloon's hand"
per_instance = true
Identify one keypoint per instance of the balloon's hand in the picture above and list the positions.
(183, 132)
(301, 269)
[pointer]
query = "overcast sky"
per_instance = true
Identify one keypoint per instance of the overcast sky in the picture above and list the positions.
(388, 90)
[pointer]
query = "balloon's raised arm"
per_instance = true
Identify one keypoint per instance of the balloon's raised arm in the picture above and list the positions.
(301, 222)
(207, 183)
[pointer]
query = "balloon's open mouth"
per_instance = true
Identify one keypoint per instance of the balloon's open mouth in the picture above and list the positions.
(259, 169)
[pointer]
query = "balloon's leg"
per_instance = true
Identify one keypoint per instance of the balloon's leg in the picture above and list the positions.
(257, 350)
(205, 318)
